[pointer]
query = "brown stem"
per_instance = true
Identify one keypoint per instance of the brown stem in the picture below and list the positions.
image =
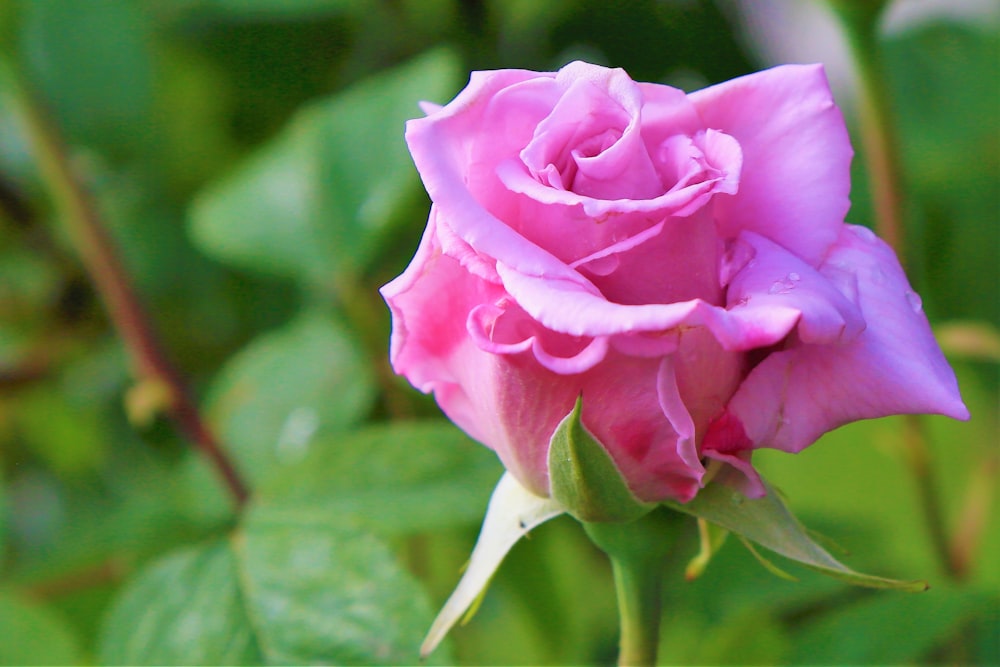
(919, 459)
(109, 276)
(110, 571)
(974, 517)
(876, 124)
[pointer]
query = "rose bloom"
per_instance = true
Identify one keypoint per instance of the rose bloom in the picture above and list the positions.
(680, 262)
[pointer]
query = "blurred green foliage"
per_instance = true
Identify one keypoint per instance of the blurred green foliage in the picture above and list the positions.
(247, 157)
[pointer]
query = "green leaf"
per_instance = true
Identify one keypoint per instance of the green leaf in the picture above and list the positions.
(584, 478)
(69, 437)
(271, 10)
(101, 89)
(768, 522)
(319, 200)
(286, 387)
(319, 591)
(184, 609)
(404, 477)
(752, 636)
(887, 629)
(30, 634)
(302, 588)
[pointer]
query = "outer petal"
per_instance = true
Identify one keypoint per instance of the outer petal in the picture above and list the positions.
(893, 367)
(775, 280)
(769, 295)
(440, 146)
(634, 409)
(428, 329)
(796, 157)
(429, 343)
(508, 402)
(568, 307)
(631, 405)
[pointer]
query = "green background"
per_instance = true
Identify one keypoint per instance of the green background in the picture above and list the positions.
(247, 157)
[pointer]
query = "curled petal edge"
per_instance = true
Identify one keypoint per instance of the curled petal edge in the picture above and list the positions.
(478, 327)
(570, 307)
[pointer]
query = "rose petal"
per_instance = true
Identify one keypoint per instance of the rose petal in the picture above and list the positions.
(616, 248)
(505, 329)
(596, 101)
(443, 160)
(776, 280)
(426, 328)
(633, 408)
(569, 307)
(682, 200)
(726, 441)
(677, 413)
(893, 367)
(796, 157)
(429, 344)
(509, 405)
(676, 264)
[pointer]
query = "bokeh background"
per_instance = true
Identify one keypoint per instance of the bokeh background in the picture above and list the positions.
(246, 158)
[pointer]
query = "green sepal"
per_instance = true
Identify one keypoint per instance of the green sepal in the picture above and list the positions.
(710, 540)
(585, 480)
(768, 522)
(513, 511)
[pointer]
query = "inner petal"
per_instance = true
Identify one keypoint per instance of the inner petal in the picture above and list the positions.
(673, 261)
(592, 140)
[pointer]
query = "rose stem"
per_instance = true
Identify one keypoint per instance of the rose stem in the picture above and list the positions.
(860, 19)
(975, 515)
(639, 586)
(111, 280)
(638, 551)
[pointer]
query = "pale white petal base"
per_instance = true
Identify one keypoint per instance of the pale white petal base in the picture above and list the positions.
(513, 511)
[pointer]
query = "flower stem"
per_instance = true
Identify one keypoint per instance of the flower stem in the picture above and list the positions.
(100, 259)
(639, 587)
(638, 551)
(860, 21)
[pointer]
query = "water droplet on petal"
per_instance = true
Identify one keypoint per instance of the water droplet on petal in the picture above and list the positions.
(916, 303)
(794, 277)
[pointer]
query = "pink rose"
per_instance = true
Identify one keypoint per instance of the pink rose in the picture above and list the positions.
(679, 261)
